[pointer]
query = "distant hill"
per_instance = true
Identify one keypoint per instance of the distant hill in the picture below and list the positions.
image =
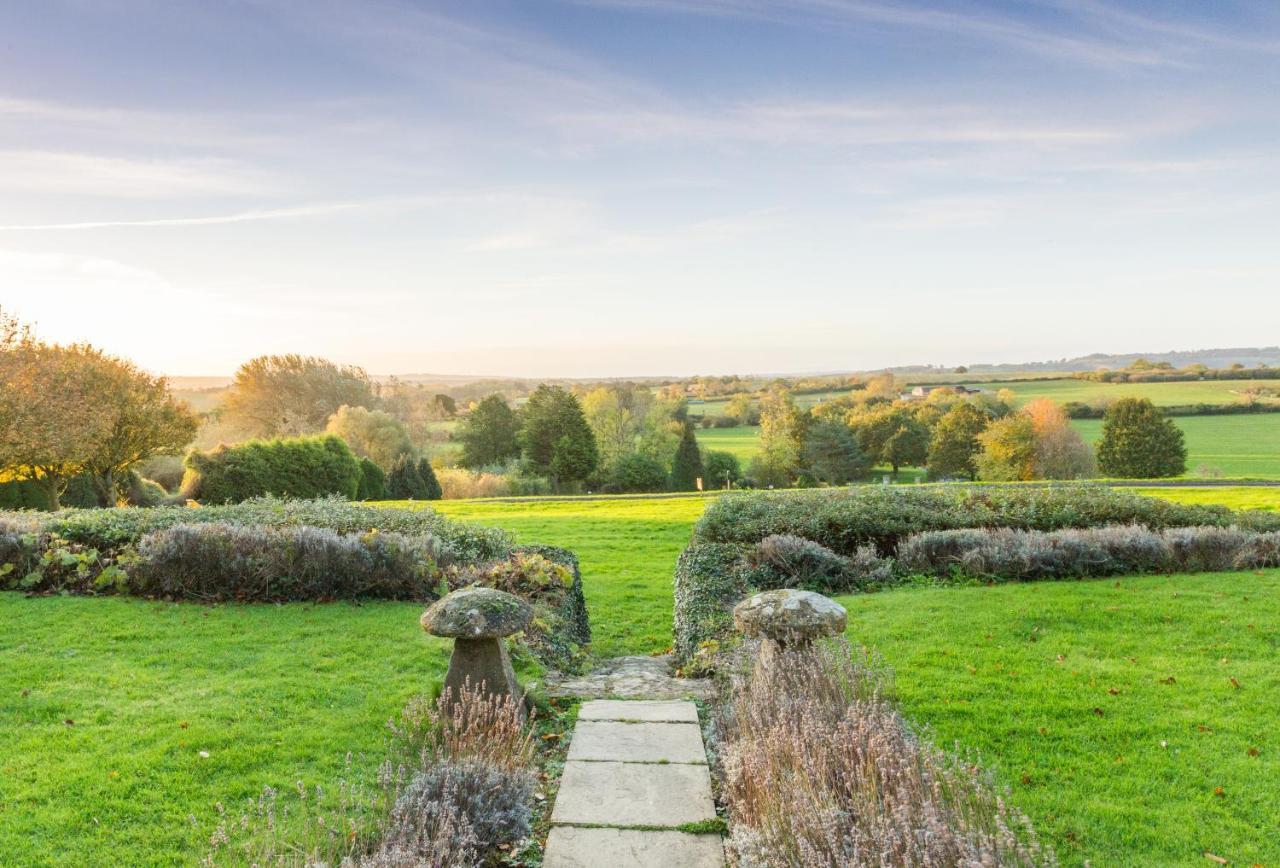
(1250, 357)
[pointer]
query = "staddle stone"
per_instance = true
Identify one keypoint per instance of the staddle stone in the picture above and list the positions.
(788, 618)
(477, 619)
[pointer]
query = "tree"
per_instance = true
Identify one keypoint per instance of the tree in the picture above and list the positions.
(1008, 449)
(1060, 451)
(615, 415)
(555, 436)
(373, 481)
(832, 455)
(430, 484)
(686, 470)
(744, 409)
(781, 434)
(489, 434)
(636, 473)
(404, 482)
(445, 405)
(1140, 442)
(954, 446)
(144, 420)
(722, 468)
(292, 394)
(891, 434)
(67, 411)
(372, 434)
(662, 429)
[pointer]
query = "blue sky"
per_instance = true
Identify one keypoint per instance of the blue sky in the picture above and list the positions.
(611, 187)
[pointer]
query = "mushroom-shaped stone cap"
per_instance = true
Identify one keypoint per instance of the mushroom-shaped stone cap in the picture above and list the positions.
(477, 613)
(789, 616)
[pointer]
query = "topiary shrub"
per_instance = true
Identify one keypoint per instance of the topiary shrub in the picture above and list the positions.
(221, 561)
(431, 485)
(143, 492)
(300, 467)
(1206, 549)
(373, 482)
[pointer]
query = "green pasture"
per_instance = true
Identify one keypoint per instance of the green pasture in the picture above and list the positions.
(1246, 445)
(1234, 497)
(1234, 446)
(1162, 394)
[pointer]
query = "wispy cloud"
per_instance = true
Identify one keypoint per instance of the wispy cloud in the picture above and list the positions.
(129, 177)
(1116, 38)
(241, 217)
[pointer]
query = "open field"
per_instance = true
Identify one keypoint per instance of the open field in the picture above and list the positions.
(1247, 445)
(1242, 445)
(106, 704)
(1161, 394)
(1107, 706)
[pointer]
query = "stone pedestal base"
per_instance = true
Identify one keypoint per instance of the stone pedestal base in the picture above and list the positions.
(484, 665)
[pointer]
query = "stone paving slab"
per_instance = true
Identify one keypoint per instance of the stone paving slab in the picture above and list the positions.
(637, 742)
(629, 678)
(649, 711)
(575, 847)
(633, 794)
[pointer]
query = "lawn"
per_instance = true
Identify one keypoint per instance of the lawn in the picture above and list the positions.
(1134, 720)
(1246, 445)
(106, 705)
(627, 548)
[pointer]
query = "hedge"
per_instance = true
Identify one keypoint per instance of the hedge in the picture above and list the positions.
(301, 467)
(845, 519)
(219, 561)
(949, 533)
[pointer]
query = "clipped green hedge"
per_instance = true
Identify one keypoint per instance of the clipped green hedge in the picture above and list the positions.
(299, 467)
(845, 519)
(709, 580)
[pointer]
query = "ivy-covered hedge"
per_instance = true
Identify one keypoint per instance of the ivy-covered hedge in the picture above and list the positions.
(846, 519)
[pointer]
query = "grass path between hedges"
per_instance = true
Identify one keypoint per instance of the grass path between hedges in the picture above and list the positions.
(1134, 719)
(627, 549)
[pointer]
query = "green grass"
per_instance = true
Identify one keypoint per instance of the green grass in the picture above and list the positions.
(1162, 394)
(1233, 497)
(106, 704)
(627, 549)
(1064, 689)
(1240, 446)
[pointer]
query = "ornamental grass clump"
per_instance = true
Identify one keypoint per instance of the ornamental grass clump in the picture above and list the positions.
(820, 770)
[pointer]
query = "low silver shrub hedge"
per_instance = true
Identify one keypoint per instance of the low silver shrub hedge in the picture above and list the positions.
(221, 561)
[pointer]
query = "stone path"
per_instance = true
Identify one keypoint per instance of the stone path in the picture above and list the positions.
(636, 772)
(629, 678)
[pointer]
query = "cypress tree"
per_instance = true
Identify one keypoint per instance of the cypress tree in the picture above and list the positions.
(687, 468)
(404, 482)
(430, 484)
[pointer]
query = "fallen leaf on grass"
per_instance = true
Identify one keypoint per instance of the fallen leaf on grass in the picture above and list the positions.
(1213, 858)
(1169, 680)
(1234, 683)
(1113, 691)
(1218, 791)
(1253, 751)
(69, 722)
(1098, 712)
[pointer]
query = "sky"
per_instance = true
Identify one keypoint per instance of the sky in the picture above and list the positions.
(640, 187)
